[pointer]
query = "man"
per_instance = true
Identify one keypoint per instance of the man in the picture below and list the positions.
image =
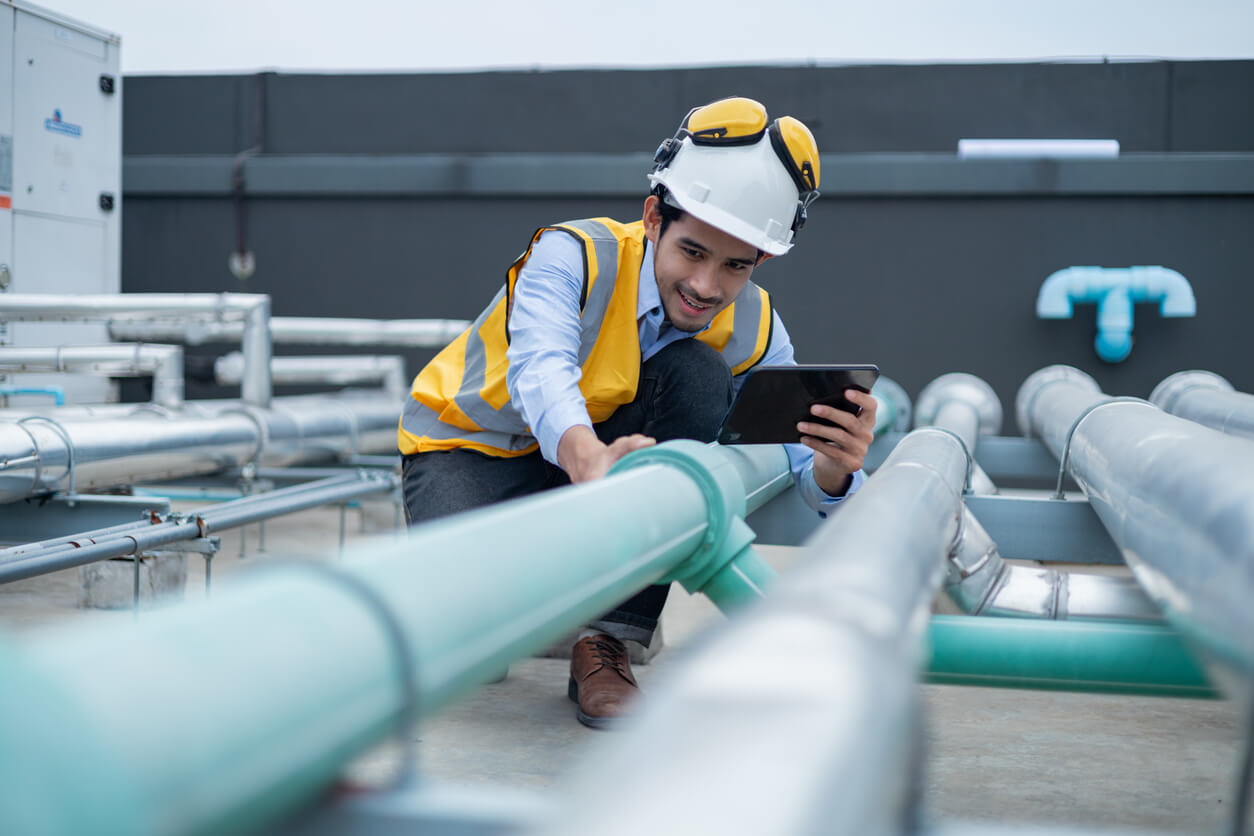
(608, 337)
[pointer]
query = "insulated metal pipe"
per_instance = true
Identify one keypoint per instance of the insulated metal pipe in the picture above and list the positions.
(293, 669)
(1176, 497)
(981, 583)
(36, 452)
(251, 310)
(406, 333)
(800, 715)
(42, 456)
(163, 362)
(387, 370)
(1106, 658)
(89, 547)
(966, 406)
(1208, 399)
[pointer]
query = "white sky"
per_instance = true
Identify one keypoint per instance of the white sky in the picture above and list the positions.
(178, 36)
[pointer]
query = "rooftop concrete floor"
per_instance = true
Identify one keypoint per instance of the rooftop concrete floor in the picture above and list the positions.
(995, 756)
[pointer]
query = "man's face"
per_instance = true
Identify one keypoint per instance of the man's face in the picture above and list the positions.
(700, 270)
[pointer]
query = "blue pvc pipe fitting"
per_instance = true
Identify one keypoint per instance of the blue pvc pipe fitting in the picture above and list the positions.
(1115, 289)
(55, 392)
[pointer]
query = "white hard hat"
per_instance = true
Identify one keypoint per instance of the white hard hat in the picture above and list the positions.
(731, 169)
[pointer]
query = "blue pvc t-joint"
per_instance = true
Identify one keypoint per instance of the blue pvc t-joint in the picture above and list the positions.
(1115, 289)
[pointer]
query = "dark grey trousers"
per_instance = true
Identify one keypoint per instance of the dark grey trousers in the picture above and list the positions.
(684, 392)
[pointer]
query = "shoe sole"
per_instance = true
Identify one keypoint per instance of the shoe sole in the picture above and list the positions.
(602, 723)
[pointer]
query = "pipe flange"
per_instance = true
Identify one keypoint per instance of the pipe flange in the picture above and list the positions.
(720, 486)
(893, 393)
(1166, 394)
(965, 388)
(1040, 380)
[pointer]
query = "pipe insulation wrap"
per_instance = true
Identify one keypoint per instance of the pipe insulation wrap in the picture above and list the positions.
(1208, 399)
(116, 448)
(113, 452)
(980, 582)
(1176, 497)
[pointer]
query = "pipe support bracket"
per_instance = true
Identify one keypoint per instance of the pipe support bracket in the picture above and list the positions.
(1066, 445)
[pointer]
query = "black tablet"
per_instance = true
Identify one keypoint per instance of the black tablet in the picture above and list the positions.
(774, 399)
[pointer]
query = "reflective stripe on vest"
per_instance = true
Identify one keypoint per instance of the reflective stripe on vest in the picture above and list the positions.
(460, 399)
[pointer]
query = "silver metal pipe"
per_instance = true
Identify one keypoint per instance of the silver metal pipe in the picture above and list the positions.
(800, 715)
(387, 370)
(405, 333)
(967, 406)
(36, 452)
(1175, 496)
(250, 309)
(109, 533)
(297, 427)
(979, 582)
(1208, 399)
(228, 515)
(255, 388)
(163, 362)
(41, 456)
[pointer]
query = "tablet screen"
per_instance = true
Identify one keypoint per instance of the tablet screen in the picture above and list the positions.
(774, 399)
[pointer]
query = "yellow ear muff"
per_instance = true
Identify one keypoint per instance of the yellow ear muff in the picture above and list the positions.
(734, 121)
(796, 146)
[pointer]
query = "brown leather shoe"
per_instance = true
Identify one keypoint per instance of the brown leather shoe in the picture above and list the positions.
(601, 684)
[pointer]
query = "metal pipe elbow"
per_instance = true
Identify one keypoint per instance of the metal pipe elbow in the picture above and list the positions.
(1173, 387)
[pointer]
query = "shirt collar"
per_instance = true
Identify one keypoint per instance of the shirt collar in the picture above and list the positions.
(648, 302)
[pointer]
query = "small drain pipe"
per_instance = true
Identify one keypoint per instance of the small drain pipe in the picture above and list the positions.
(1208, 399)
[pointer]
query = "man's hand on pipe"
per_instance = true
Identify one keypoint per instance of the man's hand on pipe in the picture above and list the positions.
(839, 450)
(585, 457)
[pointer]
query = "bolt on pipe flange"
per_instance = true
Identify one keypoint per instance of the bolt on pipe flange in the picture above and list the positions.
(1170, 390)
(1040, 380)
(724, 495)
(966, 388)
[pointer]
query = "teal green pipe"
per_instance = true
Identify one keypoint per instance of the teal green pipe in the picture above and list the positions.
(1103, 657)
(226, 715)
(885, 414)
(741, 581)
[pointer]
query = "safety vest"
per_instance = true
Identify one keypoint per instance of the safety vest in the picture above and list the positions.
(460, 399)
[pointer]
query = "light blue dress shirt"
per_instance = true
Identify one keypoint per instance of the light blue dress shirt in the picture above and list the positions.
(544, 373)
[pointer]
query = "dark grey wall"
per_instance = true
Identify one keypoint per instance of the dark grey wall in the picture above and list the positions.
(920, 282)
(1147, 106)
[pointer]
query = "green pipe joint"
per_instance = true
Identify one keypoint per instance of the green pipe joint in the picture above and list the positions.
(724, 567)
